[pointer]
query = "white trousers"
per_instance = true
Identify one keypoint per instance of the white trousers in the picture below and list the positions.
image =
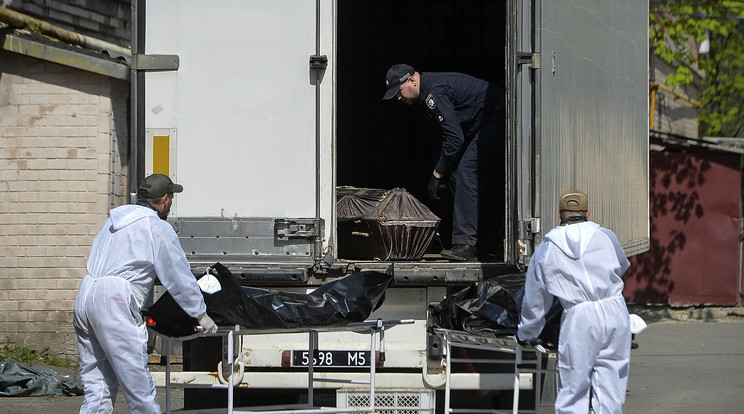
(594, 353)
(112, 344)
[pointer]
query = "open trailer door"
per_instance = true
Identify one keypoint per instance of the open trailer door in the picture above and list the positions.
(237, 107)
(591, 115)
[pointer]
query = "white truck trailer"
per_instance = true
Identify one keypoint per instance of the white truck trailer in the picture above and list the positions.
(262, 109)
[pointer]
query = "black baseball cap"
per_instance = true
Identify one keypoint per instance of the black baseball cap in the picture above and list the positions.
(158, 185)
(396, 75)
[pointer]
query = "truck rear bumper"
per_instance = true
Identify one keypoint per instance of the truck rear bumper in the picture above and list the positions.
(393, 381)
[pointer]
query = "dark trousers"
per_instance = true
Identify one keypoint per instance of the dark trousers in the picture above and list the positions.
(472, 177)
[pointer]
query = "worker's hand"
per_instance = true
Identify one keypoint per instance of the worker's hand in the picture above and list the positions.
(433, 187)
(208, 324)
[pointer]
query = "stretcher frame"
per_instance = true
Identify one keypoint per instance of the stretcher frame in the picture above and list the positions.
(500, 344)
(374, 328)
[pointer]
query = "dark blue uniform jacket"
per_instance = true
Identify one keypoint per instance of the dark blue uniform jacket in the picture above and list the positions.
(459, 104)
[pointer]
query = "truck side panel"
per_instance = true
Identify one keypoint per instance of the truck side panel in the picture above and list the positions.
(593, 104)
(243, 103)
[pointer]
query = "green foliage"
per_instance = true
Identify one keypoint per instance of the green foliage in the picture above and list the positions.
(723, 95)
(30, 357)
(683, 76)
(675, 26)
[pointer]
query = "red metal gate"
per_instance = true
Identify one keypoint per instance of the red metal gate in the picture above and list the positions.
(695, 202)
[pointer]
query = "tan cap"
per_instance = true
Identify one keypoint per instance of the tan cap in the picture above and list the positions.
(573, 200)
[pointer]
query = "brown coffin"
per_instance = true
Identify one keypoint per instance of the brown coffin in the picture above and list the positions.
(377, 224)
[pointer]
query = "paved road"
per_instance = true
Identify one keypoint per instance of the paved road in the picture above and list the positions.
(689, 367)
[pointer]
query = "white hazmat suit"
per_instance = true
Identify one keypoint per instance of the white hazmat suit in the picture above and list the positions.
(132, 248)
(582, 264)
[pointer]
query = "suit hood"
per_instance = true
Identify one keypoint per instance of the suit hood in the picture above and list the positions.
(573, 239)
(125, 215)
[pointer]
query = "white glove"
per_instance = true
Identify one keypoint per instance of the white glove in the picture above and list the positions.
(208, 324)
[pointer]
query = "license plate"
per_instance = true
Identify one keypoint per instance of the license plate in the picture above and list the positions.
(335, 359)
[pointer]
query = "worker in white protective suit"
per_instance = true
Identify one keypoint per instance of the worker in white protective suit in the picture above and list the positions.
(134, 246)
(582, 264)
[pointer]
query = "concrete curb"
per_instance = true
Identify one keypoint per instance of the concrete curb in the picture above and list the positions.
(660, 313)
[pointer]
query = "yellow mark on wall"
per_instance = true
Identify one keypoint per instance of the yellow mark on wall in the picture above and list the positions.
(161, 154)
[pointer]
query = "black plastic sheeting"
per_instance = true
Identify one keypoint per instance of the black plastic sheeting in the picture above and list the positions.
(491, 309)
(351, 298)
(18, 380)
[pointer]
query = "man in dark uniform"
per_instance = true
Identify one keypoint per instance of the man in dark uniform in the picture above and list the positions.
(470, 115)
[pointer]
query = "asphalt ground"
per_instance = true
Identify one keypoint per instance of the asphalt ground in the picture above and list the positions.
(690, 367)
(689, 362)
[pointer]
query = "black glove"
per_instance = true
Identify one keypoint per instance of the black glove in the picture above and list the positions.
(432, 188)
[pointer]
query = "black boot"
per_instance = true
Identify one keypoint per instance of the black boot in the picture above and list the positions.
(461, 252)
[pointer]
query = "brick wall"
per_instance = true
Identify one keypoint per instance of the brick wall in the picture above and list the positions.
(63, 143)
(108, 20)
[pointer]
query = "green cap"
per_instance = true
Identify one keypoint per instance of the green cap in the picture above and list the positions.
(158, 185)
(573, 200)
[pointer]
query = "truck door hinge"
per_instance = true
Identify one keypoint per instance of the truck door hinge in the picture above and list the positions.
(533, 59)
(318, 62)
(152, 63)
(529, 227)
(285, 229)
(529, 236)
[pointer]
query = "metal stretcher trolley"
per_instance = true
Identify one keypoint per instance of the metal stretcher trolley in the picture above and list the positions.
(515, 352)
(374, 328)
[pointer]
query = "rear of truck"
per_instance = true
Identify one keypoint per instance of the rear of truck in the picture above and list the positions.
(262, 110)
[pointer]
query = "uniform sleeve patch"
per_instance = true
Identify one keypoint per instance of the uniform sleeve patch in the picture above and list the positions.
(430, 102)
